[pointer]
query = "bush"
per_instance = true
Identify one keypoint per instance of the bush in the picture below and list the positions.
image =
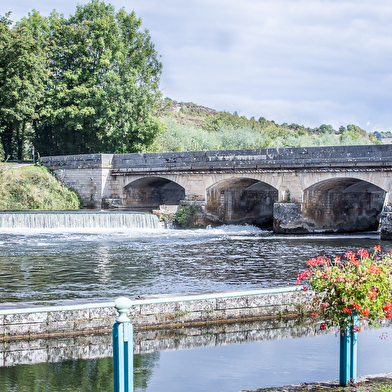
(185, 217)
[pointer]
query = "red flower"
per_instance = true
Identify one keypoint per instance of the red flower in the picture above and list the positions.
(323, 326)
(363, 253)
(344, 286)
(372, 295)
(374, 270)
(318, 260)
(387, 307)
(349, 255)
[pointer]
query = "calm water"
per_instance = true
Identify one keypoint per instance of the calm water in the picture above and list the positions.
(230, 368)
(62, 264)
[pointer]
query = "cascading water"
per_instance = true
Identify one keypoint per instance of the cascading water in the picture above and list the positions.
(78, 220)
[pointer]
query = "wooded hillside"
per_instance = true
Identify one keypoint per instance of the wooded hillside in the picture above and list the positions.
(188, 126)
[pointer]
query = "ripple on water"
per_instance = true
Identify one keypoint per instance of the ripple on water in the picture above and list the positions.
(40, 266)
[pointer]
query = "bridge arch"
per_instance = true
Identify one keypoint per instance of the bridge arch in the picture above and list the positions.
(343, 204)
(241, 200)
(150, 192)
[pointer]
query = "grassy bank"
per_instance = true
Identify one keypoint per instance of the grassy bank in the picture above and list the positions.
(28, 187)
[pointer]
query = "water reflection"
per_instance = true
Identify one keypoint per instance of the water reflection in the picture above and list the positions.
(227, 368)
(40, 266)
(77, 375)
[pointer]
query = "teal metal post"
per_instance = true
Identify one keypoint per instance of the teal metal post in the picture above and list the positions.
(354, 351)
(348, 353)
(123, 348)
(345, 356)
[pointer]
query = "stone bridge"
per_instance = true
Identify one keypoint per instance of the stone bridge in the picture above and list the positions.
(307, 189)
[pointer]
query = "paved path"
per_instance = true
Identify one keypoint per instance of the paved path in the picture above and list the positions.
(365, 383)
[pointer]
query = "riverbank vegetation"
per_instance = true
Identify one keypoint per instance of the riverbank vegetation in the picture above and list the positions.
(29, 187)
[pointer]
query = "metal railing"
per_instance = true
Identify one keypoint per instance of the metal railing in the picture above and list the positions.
(151, 301)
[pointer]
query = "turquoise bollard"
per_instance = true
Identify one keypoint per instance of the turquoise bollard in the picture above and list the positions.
(348, 354)
(123, 348)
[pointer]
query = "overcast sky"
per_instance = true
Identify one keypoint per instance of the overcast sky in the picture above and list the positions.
(297, 61)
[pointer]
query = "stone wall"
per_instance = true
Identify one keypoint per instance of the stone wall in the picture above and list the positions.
(377, 155)
(288, 219)
(87, 174)
(57, 323)
(386, 223)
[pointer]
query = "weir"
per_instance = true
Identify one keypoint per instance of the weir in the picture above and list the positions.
(78, 220)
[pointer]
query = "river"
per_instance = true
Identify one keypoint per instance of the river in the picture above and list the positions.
(65, 263)
(51, 264)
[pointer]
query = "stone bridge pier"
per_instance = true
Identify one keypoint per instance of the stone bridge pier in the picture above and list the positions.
(293, 190)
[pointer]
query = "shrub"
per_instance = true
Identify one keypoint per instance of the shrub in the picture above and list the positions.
(185, 216)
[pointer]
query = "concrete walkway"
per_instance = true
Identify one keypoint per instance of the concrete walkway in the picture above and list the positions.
(365, 383)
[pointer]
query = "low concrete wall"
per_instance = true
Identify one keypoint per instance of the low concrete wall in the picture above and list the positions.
(171, 313)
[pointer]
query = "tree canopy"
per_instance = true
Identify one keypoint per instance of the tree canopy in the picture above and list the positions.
(22, 84)
(96, 81)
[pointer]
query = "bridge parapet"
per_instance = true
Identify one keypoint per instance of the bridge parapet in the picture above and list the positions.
(270, 158)
(290, 158)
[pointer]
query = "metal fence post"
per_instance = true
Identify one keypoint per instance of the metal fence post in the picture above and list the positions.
(354, 351)
(123, 348)
(345, 356)
(348, 353)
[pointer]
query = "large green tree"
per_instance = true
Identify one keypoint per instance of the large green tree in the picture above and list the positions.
(23, 74)
(103, 85)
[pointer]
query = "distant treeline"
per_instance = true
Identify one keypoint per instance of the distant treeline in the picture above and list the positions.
(192, 127)
(382, 134)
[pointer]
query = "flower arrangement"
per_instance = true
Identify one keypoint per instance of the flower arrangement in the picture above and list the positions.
(359, 284)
